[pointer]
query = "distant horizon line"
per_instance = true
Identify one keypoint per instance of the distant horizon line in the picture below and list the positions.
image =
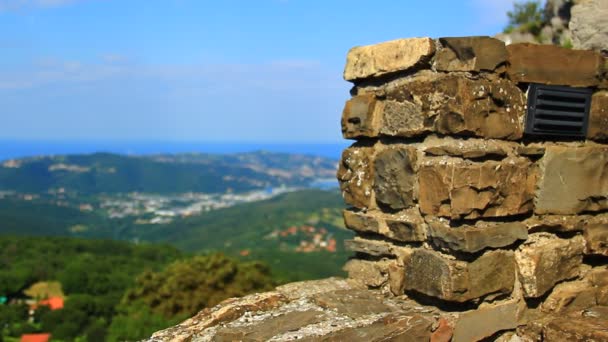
(177, 141)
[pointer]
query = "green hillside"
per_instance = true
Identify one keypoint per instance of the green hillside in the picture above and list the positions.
(112, 173)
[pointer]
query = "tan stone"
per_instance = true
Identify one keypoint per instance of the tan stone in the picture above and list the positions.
(470, 54)
(450, 104)
(473, 239)
(353, 303)
(406, 225)
(598, 116)
(370, 273)
(376, 248)
(360, 221)
(458, 188)
(388, 57)
(359, 117)
(545, 260)
(439, 276)
(572, 180)
(395, 176)
(355, 174)
(576, 329)
(531, 63)
(396, 278)
(467, 148)
(556, 223)
(596, 238)
(475, 325)
(570, 296)
(444, 331)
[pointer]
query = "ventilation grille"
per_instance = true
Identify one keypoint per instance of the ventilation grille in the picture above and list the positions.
(557, 111)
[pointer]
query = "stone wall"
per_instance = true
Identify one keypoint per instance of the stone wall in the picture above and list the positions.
(452, 203)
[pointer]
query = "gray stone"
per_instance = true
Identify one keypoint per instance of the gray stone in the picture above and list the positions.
(588, 25)
(395, 177)
(355, 174)
(572, 180)
(436, 275)
(370, 273)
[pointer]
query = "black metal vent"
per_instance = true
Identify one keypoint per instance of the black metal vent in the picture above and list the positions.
(557, 111)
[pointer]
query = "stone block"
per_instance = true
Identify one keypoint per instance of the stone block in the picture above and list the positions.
(440, 276)
(388, 57)
(458, 188)
(476, 325)
(544, 260)
(355, 174)
(376, 248)
(395, 176)
(598, 116)
(570, 296)
(451, 104)
(596, 238)
(406, 225)
(576, 329)
(359, 117)
(470, 54)
(467, 148)
(370, 273)
(471, 239)
(531, 63)
(572, 180)
(556, 223)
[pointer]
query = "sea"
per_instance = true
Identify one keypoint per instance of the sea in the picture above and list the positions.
(12, 149)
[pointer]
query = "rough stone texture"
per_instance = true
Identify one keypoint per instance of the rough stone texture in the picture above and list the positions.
(572, 329)
(388, 57)
(359, 117)
(572, 180)
(556, 223)
(596, 238)
(545, 64)
(467, 149)
(545, 260)
(377, 248)
(473, 239)
(355, 174)
(470, 54)
(571, 296)
(588, 25)
(370, 273)
(444, 331)
(598, 116)
(450, 104)
(478, 324)
(406, 225)
(439, 276)
(458, 188)
(395, 177)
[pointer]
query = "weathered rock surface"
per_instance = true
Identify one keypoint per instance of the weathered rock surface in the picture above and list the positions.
(484, 322)
(576, 329)
(406, 225)
(359, 117)
(468, 149)
(458, 188)
(588, 25)
(395, 177)
(388, 57)
(598, 116)
(370, 273)
(556, 223)
(436, 275)
(545, 64)
(470, 54)
(572, 180)
(596, 237)
(471, 239)
(449, 104)
(355, 174)
(544, 260)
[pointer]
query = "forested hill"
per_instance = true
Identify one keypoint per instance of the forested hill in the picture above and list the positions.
(209, 173)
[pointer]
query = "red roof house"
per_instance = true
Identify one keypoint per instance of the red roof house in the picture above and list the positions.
(35, 337)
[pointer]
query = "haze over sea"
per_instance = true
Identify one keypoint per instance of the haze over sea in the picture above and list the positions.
(10, 149)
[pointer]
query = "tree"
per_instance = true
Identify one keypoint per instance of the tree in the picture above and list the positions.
(526, 16)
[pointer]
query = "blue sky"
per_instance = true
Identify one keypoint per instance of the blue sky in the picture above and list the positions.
(197, 70)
